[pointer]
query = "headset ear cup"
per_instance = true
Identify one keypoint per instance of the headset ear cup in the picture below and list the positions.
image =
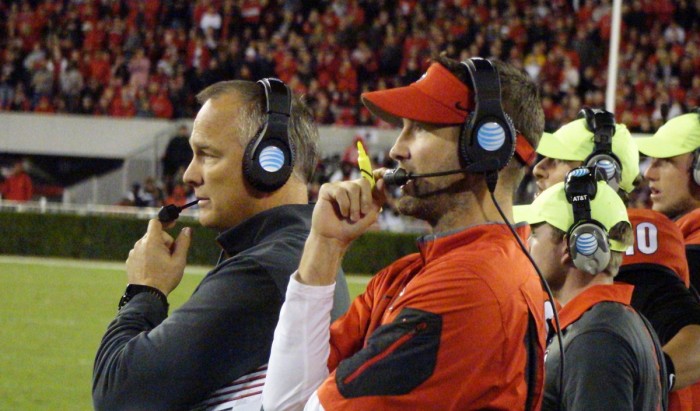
(612, 170)
(267, 166)
(696, 166)
(589, 247)
(492, 140)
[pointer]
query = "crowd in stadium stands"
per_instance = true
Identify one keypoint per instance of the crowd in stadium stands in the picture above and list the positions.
(148, 58)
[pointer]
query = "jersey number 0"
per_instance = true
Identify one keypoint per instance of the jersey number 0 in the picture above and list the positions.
(645, 239)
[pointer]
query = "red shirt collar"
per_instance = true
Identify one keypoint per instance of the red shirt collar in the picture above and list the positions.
(574, 309)
(432, 246)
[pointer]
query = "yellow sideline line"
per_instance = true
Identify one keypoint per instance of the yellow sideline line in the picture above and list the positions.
(112, 266)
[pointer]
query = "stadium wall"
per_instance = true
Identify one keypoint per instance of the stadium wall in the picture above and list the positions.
(140, 143)
(110, 137)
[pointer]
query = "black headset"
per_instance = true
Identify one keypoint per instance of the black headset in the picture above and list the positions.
(487, 138)
(269, 157)
(696, 154)
(587, 238)
(602, 124)
(486, 145)
(695, 168)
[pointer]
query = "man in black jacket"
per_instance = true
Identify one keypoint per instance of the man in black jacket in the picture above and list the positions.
(580, 230)
(255, 148)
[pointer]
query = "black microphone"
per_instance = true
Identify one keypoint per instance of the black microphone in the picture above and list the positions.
(171, 212)
(399, 176)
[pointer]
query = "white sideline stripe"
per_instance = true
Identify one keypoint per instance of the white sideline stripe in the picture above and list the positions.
(89, 264)
(112, 266)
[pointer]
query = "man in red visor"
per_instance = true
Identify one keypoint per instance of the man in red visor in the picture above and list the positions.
(458, 325)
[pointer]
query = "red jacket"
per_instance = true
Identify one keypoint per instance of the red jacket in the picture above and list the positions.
(443, 329)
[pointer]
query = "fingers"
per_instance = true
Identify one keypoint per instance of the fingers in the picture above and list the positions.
(353, 199)
(379, 173)
(182, 244)
(380, 192)
(168, 241)
(168, 225)
(155, 232)
(154, 227)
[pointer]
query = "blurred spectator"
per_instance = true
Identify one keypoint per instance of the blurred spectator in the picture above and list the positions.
(139, 67)
(143, 107)
(152, 188)
(346, 171)
(6, 90)
(137, 197)
(178, 196)
(71, 84)
(178, 154)
(211, 19)
(18, 185)
(159, 102)
(148, 195)
(42, 81)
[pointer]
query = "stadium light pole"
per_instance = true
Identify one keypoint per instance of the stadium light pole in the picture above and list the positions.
(613, 55)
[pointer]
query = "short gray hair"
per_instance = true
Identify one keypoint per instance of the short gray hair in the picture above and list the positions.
(303, 133)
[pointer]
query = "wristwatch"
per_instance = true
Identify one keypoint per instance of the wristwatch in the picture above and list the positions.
(670, 370)
(133, 289)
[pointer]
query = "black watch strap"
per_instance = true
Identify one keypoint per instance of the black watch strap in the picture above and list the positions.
(133, 289)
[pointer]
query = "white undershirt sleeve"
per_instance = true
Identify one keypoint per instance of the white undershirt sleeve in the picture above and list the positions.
(300, 350)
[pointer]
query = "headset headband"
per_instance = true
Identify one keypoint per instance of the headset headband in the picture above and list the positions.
(602, 124)
(580, 188)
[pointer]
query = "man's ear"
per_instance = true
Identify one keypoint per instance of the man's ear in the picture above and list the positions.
(565, 253)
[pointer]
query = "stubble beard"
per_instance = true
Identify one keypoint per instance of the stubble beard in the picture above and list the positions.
(430, 202)
(420, 208)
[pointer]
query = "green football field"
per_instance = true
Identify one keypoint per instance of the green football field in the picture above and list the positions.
(53, 313)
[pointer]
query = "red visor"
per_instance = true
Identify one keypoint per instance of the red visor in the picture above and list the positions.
(436, 98)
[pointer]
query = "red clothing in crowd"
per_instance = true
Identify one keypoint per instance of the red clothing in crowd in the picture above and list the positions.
(100, 68)
(18, 187)
(161, 105)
